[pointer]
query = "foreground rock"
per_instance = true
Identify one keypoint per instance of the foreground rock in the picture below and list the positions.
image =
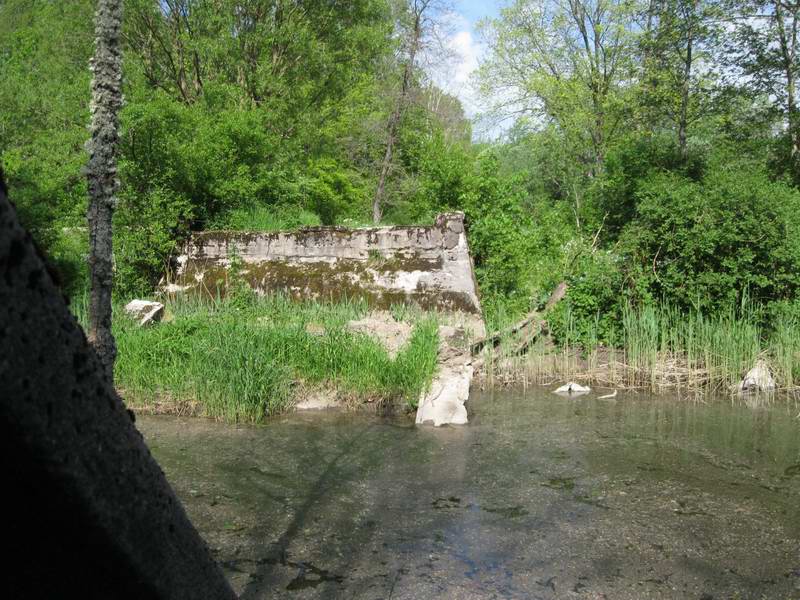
(444, 403)
(91, 513)
(758, 379)
(145, 311)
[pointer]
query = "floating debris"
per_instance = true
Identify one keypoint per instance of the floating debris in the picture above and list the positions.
(573, 388)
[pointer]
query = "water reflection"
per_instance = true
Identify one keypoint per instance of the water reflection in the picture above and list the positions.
(540, 496)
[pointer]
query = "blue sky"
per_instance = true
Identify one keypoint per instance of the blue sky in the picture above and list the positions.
(465, 45)
(475, 10)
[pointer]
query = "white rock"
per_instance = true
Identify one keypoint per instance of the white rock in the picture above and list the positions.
(145, 311)
(573, 388)
(444, 402)
(758, 379)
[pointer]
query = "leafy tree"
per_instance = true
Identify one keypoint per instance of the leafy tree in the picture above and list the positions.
(44, 109)
(416, 25)
(564, 63)
(764, 54)
(678, 74)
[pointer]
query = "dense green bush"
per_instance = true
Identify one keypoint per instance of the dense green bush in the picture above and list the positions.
(614, 196)
(498, 240)
(595, 299)
(702, 244)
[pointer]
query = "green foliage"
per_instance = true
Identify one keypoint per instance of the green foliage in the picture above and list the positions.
(594, 302)
(519, 246)
(145, 229)
(44, 98)
(267, 218)
(702, 244)
(631, 173)
(614, 196)
(497, 228)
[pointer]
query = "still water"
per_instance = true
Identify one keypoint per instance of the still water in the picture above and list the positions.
(538, 497)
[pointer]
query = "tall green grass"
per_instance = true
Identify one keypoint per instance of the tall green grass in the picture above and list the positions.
(243, 360)
(663, 348)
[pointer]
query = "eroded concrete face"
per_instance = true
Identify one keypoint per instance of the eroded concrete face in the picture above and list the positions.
(426, 266)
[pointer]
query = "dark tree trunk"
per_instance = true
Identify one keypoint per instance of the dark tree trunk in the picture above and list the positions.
(101, 173)
(91, 514)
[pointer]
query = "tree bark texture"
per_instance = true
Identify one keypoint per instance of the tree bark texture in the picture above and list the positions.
(101, 173)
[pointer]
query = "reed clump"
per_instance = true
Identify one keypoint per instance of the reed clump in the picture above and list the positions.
(663, 348)
(243, 358)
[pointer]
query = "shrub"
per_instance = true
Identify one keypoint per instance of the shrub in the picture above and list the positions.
(702, 244)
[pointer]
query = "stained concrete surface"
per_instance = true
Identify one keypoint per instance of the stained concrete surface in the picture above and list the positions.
(429, 266)
(539, 497)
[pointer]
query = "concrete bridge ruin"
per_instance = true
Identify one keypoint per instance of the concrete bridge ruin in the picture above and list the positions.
(425, 266)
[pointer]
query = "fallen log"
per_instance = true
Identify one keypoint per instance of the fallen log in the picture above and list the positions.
(530, 327)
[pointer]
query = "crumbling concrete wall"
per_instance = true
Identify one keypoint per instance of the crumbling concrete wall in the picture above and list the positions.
(427, 266)
(88, 512)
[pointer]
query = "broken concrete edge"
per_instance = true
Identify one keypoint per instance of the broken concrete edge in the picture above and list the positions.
(444, 403)
(93, 514)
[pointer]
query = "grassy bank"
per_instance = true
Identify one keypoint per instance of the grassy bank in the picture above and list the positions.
(241, 360)
(663, 348)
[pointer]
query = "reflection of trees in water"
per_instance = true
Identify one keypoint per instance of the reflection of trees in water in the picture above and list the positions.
(757, 431)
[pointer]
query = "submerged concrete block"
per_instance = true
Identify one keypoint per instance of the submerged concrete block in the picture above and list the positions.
(757, 379)
(444, 403)
(88, 512)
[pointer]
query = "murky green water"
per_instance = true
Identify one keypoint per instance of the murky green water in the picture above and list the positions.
(539, 497)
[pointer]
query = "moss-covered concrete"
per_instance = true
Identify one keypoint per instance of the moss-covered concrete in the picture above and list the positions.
(426, 266)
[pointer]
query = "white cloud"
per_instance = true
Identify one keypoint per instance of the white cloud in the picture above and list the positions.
(468, 53)
(453, 73)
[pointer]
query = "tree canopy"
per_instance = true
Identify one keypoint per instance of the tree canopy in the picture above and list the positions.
(652, 157)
